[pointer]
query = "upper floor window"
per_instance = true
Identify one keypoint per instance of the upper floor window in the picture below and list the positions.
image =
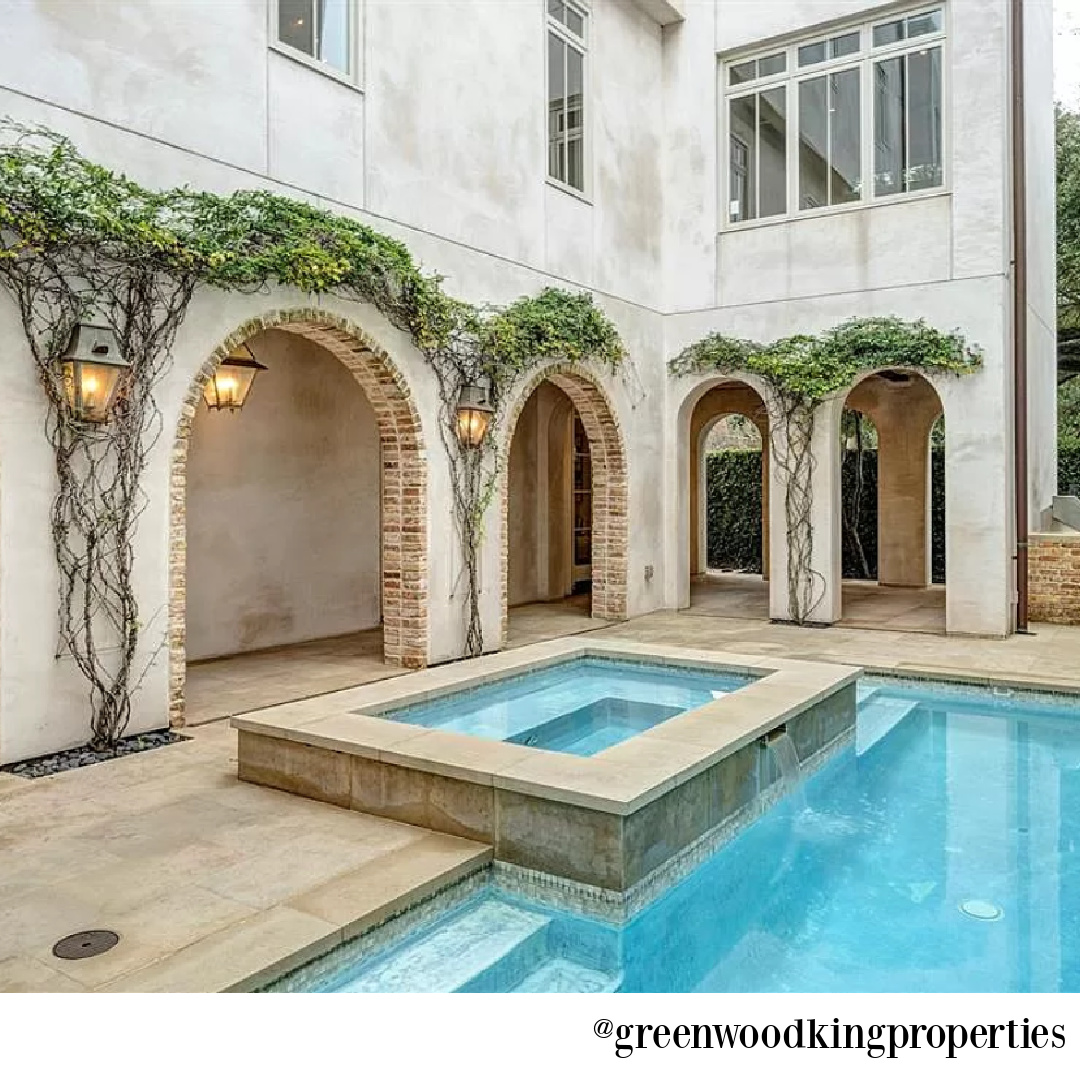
(843, 118)
(322, 29)
(567, 36)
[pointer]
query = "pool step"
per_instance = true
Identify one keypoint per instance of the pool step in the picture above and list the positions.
(488, 949)
(560, 976)
(878, 715)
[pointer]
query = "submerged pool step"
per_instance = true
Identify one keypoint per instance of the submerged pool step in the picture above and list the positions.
(560, 976)
(878, 715)
(488, 949)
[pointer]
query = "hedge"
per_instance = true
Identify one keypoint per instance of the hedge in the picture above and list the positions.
(1069, 470)
(733, 526)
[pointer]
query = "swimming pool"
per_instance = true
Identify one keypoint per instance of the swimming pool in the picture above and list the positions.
(577, 707)
(938, 852)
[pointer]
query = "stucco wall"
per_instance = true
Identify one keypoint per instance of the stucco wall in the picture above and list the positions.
(283, 508)
(441, 143)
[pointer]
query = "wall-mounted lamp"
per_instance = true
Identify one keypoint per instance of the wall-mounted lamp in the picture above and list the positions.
(230, 384)
(474, 412)
(91, 367)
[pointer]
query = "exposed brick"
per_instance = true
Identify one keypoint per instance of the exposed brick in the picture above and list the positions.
(1054, 579)
(610, 531)
(404, 488)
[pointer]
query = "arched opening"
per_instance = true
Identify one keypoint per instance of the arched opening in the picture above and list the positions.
(298, 529)
(892, 495)
(729, 503)
(564, 511)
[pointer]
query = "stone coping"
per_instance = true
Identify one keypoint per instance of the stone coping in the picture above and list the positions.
(619, 780)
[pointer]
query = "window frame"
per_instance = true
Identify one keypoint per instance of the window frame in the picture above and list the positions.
(554, 26)
(354, 76)
(865, 61)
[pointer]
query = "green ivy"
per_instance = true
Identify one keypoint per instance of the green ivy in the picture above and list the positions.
(52, 198)
(809, 368)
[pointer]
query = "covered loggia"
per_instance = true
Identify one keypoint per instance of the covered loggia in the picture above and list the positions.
(564, 532)
(303, 554)
(725, 578)
(892, 494)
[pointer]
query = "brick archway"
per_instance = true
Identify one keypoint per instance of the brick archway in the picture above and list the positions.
(610, 533)
(403, 498)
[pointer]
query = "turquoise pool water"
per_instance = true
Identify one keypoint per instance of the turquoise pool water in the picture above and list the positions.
(940, 852)
(578, 707)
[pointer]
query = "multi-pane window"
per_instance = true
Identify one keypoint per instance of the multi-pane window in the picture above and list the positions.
(843, 118)
(321, 29)
(567, 30)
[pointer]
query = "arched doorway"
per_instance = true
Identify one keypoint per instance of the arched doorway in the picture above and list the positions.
(564, 535)
(892, 504)
(729, 544)
(298, 524)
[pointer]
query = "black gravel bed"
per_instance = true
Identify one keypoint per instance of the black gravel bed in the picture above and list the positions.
(50, 764)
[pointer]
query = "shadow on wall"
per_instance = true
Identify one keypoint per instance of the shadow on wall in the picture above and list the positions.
(283, 508)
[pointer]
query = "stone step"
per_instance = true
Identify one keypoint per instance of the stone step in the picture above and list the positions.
(488, 948)
(878, 715)
(561, 976)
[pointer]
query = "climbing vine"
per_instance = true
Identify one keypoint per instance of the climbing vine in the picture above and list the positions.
(80, 243)
(803, 370)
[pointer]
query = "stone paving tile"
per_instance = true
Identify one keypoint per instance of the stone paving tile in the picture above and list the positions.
(169, 849)
(209, 880)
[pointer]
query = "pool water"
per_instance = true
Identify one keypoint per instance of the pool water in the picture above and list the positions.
(578, 707)
(938, 852)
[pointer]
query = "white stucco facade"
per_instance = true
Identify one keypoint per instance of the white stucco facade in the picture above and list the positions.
(439, 137)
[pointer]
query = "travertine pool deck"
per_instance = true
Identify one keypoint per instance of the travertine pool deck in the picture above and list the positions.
(209, 879)
(210, 882)
(605, 821)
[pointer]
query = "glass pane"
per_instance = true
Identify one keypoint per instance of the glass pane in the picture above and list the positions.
(575, 22)
(772, 151)
(772, 65)
(813, 144)
(888, 33)
(296, 24)
(575, 118)
(889, 144)
(743, 178)
(811, 54)
(556, 108)
(924, 120)
(740, 73)
(333, 28)
(844, 45)
(558, 9)
(845, 142)
(929, 23)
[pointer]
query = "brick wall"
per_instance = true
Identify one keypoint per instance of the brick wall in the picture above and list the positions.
(404, 490)
(1054, 578)
(609, 523)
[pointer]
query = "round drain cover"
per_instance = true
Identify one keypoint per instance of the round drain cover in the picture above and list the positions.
(981, 909)
(85, 943)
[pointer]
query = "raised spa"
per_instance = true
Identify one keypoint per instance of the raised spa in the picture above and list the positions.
(577, 707)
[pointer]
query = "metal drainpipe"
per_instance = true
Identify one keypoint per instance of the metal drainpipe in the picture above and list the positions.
(1020, 389)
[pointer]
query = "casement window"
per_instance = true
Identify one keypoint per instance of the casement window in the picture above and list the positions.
(324, 30)
(843, 118)
(567, 35)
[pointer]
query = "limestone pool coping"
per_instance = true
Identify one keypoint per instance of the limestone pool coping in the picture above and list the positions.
(618, 780)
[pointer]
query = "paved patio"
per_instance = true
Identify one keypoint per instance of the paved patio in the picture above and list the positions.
(208, 881)
(211, 883)
(866, 604)
(254, 680)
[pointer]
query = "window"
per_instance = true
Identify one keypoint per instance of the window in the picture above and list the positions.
(321, 29)
(841, 119)
(758, 133)
(567, 25)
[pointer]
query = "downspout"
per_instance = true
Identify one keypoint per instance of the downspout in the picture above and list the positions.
(1020, 388)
